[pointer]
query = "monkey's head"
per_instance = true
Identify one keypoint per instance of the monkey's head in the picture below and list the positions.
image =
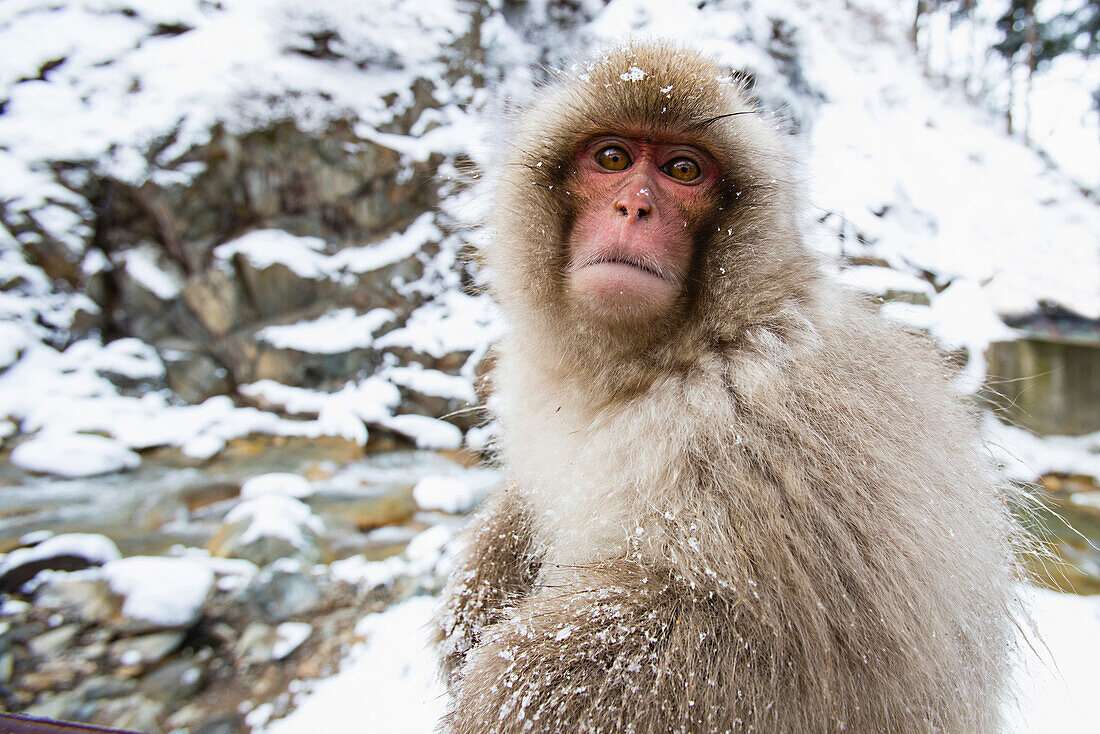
(645, 210)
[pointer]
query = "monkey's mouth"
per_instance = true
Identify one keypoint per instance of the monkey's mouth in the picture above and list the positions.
(617, 261)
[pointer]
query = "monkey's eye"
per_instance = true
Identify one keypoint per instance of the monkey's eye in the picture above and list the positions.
(682, 169)
(613, 158)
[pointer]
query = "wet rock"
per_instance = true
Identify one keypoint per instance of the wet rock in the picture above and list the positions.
(146, 649)
(53, 642)
(257, 643)
(65, 706)
(222, 724)
(65, 552)
(215, 298)
(191, 373)
(105, 686)
(88, 599)
(52, 678)
(135, 713)
(366, 513)
(279, 595)
(7, 667)
(197, 498)
(174, 682)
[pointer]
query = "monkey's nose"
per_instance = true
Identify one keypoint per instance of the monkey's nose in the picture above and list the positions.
(635, 204)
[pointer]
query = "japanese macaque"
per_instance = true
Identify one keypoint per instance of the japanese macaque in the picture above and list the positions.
(736, 499)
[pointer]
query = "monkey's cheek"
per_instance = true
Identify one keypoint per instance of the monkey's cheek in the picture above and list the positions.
(621, 292)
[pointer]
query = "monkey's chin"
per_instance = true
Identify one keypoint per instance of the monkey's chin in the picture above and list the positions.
(620, 292)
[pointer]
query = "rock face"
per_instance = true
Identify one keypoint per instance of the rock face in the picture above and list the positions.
(341, 197)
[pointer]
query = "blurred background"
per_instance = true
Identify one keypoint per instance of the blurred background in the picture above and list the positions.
(242, 328)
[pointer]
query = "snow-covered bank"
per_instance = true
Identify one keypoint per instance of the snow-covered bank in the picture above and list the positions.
(386, 685)
(389, 683)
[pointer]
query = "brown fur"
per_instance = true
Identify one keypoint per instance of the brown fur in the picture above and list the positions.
(767, 512)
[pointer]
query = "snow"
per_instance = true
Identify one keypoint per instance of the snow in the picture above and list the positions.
(280, 483)
(96, 549)
(73, 455)
(454, 322)
(266, 247)
(447, 494)
(425, 431)
(165, 592)
(426, 381)
(275, 516)
(141, 265)
(1026, 457)
(338, 331)
(289, 636)
(306, 256)
(1057, 676)
(393, 673)
(878, 280)
(389, 678)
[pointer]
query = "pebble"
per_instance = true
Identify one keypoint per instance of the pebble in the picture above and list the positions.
(51, 643)
(280, 595)
(146, 649)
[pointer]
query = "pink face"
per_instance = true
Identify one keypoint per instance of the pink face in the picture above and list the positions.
(632, 242)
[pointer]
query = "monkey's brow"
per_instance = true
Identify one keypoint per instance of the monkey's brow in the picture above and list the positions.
(716, 118)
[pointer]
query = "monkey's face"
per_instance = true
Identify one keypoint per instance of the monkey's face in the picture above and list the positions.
(640, 200)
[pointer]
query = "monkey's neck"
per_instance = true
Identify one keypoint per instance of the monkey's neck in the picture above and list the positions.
(589, 467)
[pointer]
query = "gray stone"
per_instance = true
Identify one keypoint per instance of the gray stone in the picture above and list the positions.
(256, 644)
(146, 649)
(192, 374)
(175, 681)
(49, 644)
(222, 724)
(137, 713)
(105, 686)
(214, 297)
(7, 667)
(279, 595)
(90, 599)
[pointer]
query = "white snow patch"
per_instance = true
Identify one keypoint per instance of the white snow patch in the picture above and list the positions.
(447, 494)
(338, 331)
(879, 280)
(427, 432)
(278, 516)
(73, 455)
(426, 381)
(1026, 457)
(266, 247)
(96, 549)
(141, 265)
(1057, 673)
(166, 592)
(453, 322)
(280, 483)
(391, 675)
(289, 636)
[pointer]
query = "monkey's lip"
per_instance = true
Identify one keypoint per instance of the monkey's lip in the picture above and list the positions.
(621, 264)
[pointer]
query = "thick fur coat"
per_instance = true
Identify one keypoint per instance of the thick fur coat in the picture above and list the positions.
(767, 511)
